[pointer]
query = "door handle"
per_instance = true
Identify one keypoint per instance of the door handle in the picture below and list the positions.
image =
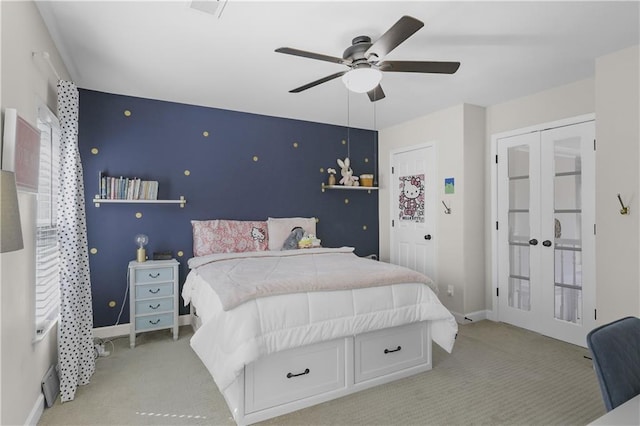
(533, 242)
(546, 243)
(427, 237)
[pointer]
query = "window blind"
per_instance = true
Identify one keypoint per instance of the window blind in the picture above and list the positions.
(47, 286)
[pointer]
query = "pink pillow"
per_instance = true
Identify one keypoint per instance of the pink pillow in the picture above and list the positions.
(228, 236)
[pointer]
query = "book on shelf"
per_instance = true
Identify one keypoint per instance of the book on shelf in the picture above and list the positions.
(126, 188)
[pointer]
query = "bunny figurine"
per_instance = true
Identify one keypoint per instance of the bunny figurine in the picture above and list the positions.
(347, 174)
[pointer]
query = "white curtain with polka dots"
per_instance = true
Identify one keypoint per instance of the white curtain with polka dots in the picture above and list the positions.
(75, 336)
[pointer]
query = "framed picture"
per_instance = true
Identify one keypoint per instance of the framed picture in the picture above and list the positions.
(21, 150)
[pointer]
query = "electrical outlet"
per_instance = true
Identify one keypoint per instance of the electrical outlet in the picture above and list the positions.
(450, 290)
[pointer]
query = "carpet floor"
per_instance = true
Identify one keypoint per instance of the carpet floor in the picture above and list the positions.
(496, 375)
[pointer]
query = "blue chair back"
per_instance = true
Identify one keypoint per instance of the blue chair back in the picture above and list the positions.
(615, 348)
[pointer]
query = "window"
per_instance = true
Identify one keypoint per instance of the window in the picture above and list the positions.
(47, 291)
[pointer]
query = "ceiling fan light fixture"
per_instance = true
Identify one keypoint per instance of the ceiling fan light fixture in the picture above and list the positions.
(362, 80)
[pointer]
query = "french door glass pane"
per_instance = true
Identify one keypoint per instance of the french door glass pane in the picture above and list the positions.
(519, 216)
(568, 230)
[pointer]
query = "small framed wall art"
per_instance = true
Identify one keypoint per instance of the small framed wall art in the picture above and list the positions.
(21, 150)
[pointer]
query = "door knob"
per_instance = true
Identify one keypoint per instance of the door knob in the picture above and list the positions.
(546, 243)
(533, 242)
(427, 237)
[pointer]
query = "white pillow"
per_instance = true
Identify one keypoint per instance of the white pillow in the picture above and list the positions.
(279, 229)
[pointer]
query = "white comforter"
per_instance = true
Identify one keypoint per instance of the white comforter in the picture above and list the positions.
(229, 340)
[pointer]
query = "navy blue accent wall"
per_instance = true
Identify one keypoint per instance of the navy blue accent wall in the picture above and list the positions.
(246, 167)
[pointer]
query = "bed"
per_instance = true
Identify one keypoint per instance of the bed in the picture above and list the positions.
(282, 330)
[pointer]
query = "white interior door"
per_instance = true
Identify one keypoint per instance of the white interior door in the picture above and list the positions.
(519, 208)
(413, 241)
(546, 242)
(567, 232)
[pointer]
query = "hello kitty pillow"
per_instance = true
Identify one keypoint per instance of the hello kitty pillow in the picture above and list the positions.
(228, 236)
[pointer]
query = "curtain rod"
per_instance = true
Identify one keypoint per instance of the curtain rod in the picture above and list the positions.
(47, 58)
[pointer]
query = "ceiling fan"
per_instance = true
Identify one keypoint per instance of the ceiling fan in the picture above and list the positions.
(365, 63)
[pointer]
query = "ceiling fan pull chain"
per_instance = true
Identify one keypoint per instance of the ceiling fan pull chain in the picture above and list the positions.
(348, 125)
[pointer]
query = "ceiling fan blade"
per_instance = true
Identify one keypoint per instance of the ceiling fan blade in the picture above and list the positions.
(320, 81)
(399, 32)
(376, 93)
(419, 66)
(311, 55)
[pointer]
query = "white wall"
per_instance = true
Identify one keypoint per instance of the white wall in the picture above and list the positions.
(24, 83)
(617, 100)
(444, 129)
(458, 134)
(474, 221)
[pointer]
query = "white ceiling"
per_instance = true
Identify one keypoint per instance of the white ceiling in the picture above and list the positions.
(170, 51)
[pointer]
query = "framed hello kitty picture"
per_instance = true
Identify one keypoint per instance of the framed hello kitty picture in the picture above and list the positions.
(411, 198)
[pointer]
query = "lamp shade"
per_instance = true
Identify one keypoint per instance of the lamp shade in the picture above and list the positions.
(361, 80)
(10, 228)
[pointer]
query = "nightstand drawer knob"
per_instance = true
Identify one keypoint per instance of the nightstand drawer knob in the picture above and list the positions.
(156, 275)
(154, 292)
(154, 307)
(154, 322)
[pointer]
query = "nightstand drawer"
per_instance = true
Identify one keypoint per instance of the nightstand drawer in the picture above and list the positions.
(154, 305)
(154, 321)
(148, 291)
(151, 275)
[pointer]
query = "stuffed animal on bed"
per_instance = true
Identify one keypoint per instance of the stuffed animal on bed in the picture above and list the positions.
(291, 243)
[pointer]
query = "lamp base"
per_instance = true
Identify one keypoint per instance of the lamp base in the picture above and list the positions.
(141, 255)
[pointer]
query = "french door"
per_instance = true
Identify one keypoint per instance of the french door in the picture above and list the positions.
(546, 242)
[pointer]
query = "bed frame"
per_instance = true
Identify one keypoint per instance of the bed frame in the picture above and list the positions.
(290, 380)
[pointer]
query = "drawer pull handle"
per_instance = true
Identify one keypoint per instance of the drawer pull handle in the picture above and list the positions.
(156, 275)
(290, 375)
(154, 307)
(154, 292)
(388, 351)
(154, 322)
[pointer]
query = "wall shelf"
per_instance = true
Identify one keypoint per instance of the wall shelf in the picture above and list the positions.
(350, 188)
(97, 201)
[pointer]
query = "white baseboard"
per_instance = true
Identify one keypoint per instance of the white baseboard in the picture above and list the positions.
(123, 329)
(36, 411)
(470, 317)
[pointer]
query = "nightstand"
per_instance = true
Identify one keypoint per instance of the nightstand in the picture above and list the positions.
(153, 297)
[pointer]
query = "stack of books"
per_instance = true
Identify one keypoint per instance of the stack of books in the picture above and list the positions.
(125, 188)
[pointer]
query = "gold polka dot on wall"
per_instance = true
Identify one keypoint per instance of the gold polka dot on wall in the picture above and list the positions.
(344, 142)
(127, 113)
(138, 215)
(205, 134)
(364, 227)
(187, 172)
(93, 250)
(180, 253)
(317, 220)
(346, 201)
(295, 144)
(255, 158)
(94, 151)
(321, 169)
(112, 303)
(366, 160)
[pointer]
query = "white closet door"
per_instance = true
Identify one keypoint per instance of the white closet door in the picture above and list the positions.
(546, 242)
(567, 234)
(519, 210)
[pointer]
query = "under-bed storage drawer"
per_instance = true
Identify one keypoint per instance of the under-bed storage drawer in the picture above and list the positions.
(393, 349)
(294, 374)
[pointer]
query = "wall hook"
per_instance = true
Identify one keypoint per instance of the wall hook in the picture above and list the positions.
(624, 209)
(447, 209)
